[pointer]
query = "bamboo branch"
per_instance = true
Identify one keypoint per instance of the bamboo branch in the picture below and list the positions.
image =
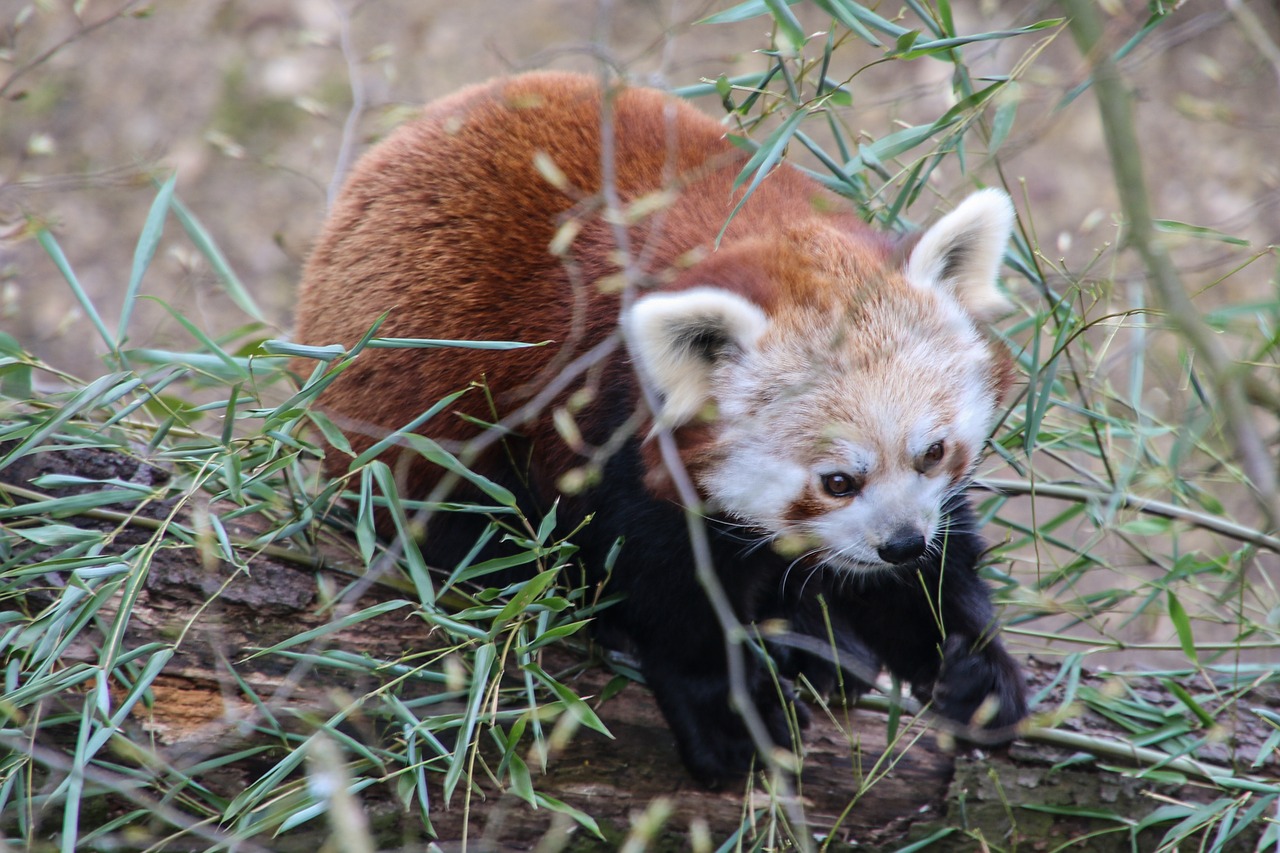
(1162, 509)
(1226, 377)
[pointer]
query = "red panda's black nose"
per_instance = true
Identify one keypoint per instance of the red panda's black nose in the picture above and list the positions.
(905, 545)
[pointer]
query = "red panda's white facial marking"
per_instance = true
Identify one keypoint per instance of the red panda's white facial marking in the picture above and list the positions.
(845, 422)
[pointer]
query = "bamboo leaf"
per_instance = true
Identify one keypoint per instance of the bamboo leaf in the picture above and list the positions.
(916, 48)
(209, 248)
(1182, 625)
(331, 627)
(483, 662)
(88, 397)
(765, 158)
(1198, 232)
(152, 230)
(431, 343)
(408, 535)
(437, 455)
(47, 242)
(788, 27)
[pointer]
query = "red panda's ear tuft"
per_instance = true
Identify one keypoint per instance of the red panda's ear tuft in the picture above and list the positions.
(677, 339)
(961, 253)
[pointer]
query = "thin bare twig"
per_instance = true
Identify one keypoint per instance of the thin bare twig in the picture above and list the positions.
(347, 145)
(1253, 29)
(129, 789)
(45, 55)
(1162, 509)
(1226, 376)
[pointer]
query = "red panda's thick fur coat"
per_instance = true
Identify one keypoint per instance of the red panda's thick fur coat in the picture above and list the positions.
(446, 227)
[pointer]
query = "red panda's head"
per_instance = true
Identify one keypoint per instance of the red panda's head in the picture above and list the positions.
(846, 405)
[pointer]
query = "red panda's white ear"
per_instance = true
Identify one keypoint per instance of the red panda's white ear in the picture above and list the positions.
(677, 339)
(961, 253)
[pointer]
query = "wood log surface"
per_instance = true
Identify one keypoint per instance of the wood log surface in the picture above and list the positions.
(855, 792)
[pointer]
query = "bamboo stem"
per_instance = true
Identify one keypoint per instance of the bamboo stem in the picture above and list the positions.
(1226, 377)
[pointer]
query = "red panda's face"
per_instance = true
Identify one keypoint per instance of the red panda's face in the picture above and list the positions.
(842, 427)
(846, 443)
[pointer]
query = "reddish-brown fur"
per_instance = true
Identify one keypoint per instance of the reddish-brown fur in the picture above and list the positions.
(447, 226)
(402, 239)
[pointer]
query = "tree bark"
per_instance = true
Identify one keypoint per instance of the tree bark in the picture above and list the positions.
(854, 788)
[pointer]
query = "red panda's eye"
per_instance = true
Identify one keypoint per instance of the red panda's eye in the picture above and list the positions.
(841, 485)
(932, 455)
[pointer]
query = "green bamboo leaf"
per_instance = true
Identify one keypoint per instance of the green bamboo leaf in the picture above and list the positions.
(1078, 811)
(748, 81)
(1182, 624)
(431, 343)
(1237, 783)
(145, 251)
(140, 685)
(945, 18)
(209, 248)
(69, 505)
(529, 590)
(927, 842)
(366, 526)
(437, 455)
(742, 12)
(50, 245)
(572, 700)
(1147, 525)
(842, 12)
(236, 366)
(1205, 718)
(415, 564)
(849, 13)
(1163, 814)
(381, 446)
(917, 48)
(582, 818)
(866, 16)
(289, 348)
(521, 780)
(315, 810)
(485, 656)
(552, 635)
(766, 156)
(788, 27)
(56, 534)
(225, 367)
(336, 438)
(337, 625)
(493, 565)
(891, 145)
(1198, 232)
(266, 786)
(87, 398)
(1002, 121)
(15, 381)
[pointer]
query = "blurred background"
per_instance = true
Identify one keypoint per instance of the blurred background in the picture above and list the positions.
(259, 108)
(247, 102)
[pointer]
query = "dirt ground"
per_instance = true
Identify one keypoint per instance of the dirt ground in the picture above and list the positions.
(247, 101)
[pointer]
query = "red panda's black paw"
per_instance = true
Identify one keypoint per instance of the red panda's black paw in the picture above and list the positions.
(981, 686)
(714, 742)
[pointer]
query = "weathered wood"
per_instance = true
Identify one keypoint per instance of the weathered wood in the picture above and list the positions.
(853, 790)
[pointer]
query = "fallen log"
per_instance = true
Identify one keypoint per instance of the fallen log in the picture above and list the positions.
(865, 782)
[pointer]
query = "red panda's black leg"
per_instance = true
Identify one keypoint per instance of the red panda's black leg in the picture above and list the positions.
(712, 739)
(670, 626)
(933, 625)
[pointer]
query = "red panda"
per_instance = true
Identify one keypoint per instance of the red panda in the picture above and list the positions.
(827, 385)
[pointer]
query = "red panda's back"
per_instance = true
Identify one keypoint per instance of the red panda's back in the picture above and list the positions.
(446, 225)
